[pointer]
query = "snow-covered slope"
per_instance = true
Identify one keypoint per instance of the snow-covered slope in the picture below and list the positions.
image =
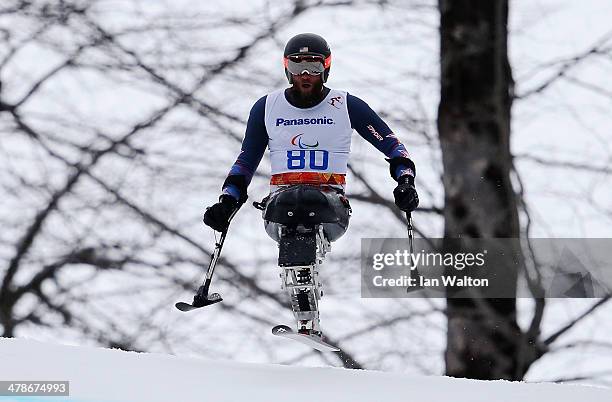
(112, 375)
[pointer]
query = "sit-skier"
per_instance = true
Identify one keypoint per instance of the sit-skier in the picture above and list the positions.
(307, 128)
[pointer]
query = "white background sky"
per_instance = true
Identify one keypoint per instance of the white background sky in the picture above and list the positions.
(375, 54)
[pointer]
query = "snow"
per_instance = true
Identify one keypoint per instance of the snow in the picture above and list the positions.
(97, 374)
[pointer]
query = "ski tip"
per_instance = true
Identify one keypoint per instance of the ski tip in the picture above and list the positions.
(281, 329)
(215, 298)
(182, 306)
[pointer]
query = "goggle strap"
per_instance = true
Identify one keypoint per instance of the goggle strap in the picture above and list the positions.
(327, 61)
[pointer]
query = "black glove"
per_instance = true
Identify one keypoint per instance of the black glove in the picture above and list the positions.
(218, 216)
(406, 197)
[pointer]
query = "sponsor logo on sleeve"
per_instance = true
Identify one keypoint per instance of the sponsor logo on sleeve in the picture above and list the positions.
(374, 132)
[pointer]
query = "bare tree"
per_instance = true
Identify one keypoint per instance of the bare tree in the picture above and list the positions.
(474, 122)
(98, 244)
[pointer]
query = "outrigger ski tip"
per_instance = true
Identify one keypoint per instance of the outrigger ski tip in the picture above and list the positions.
(309, 340)
(198, 302)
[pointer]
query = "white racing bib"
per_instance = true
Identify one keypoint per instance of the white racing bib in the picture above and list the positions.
(317, 139)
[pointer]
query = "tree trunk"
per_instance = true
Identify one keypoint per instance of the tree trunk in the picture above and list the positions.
(474, 128)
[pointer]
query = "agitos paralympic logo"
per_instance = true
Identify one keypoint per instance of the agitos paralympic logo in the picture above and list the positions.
(297, 140)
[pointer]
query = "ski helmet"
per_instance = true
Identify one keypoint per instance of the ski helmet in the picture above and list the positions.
(308, 44)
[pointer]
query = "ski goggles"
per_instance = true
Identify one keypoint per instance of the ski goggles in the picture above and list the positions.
(300, 64)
